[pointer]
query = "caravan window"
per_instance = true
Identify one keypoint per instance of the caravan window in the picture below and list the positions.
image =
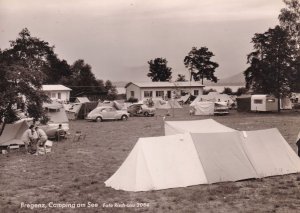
(258, 101)
(271, 100)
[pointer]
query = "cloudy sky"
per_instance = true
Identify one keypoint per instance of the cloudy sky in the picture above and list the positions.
(118, 37)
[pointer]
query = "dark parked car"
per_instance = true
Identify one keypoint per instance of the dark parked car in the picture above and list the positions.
(140, 110)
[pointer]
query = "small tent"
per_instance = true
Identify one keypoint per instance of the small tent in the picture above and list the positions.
(202, 158)
(12, 133)
(195, 126)
(286, 103)
(204, 108)
(81, 100)
(161, 104)
(213, 97)
(174, 104)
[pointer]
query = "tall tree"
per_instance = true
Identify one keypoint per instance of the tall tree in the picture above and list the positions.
(18, 82)
(31, 51)
(290, 21)
(270, 67)
(158, 70)
(111, 91)
(83, 82)
(198, 62)
(180, 77)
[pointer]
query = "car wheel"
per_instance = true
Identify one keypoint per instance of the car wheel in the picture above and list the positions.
(124, 117)
(146, 114)
(98, 119)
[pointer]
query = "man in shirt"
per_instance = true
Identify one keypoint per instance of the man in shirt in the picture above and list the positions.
(30, 138)
(42, 136)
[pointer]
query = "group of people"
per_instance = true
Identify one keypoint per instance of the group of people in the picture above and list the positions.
(34, 137)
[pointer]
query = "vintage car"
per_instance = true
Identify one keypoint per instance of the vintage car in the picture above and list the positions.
(140, 110)
(221, 108)
(107, 113)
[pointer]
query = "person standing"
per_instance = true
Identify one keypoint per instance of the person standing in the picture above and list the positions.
(30, 138)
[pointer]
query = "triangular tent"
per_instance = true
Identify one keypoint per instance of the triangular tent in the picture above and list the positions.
(195, 126)
(12, 133)
(159, 163)
(174, 104)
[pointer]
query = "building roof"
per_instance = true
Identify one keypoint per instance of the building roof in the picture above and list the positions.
(165, 84)
(55, 87)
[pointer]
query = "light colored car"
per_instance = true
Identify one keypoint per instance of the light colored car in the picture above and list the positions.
(221, 108)
(140, 109)
(107, 113)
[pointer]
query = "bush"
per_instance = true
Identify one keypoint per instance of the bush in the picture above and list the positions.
(44, 119)
(132, 100)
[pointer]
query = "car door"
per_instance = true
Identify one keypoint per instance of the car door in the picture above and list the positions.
(105, 113)
(110, 113)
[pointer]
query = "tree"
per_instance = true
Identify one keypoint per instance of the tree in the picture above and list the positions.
(111, 91)
(290, 21)
(205, 92)
(31, 51)
(181, 78)
(158, 70)
(271, 63)
(18, 82)
(227, 90)
(240, 91)
(198, 62)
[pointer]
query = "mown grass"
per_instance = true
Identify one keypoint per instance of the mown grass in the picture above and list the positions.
(75, 171)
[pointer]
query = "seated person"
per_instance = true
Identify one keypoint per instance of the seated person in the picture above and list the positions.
(60, 133)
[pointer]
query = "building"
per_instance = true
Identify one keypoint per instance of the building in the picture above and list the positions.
(162, 90)
(57, 92)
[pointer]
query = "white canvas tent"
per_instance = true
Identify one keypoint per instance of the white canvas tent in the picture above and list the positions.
(213, 97)
(195, 126)
(204, 108)
(12, 133)
(200, 158)
(159, 163)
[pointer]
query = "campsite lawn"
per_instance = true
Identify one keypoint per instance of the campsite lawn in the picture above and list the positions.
(74, 173)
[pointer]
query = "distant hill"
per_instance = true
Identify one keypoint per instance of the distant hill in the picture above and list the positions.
(234, 80)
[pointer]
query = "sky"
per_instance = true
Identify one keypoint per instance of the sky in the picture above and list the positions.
(118, 37)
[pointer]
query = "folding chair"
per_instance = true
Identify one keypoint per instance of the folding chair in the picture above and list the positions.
(79, 136)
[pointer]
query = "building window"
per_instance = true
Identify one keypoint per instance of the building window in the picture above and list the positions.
(258, 101)
(148, 94)
(159, 93)
(131, 93)
(59, 95)
(53, 95)
(196, 92)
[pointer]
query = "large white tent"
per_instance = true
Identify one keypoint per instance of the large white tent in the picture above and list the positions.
(182, 160)
(195, 126)
(12, 133)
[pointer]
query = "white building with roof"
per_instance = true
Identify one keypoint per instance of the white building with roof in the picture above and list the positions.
(57, 92)
(160, 90)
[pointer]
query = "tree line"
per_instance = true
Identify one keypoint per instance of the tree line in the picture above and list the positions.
(29, 63)
(274, 64)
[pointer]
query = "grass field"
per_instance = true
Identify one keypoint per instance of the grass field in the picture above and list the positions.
(74, 173)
